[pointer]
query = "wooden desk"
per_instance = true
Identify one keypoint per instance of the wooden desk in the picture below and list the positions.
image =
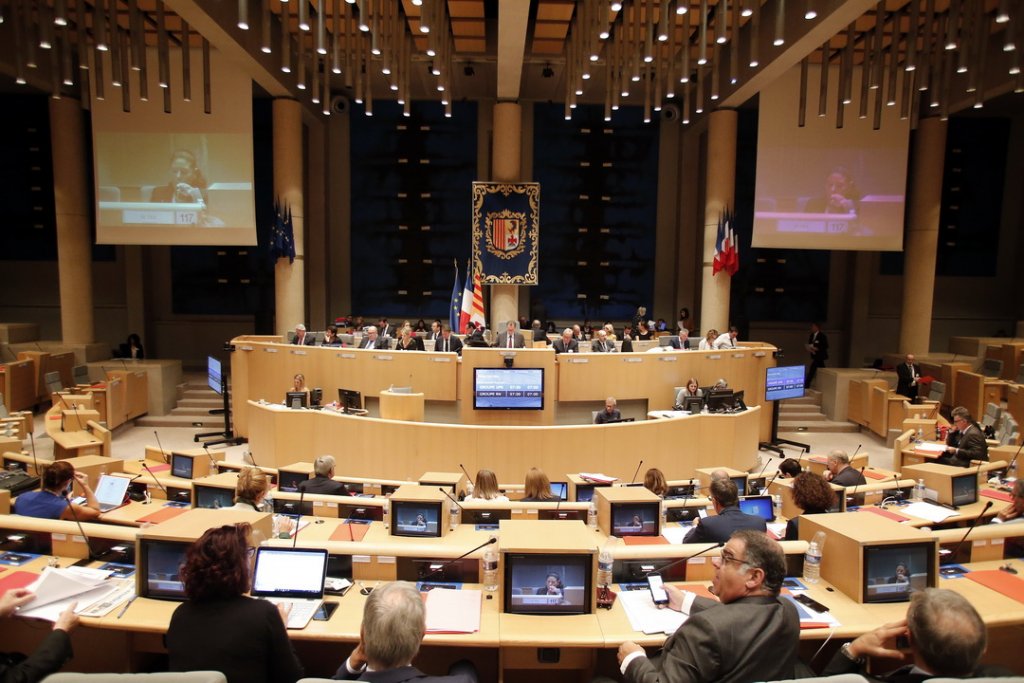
(159, 395)
(399, 406)
(18, 384)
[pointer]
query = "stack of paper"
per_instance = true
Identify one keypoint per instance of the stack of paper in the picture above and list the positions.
(598, 478)
(675, 533)
(56, 589)
(933, 513)
(645, 617)
(453, 611)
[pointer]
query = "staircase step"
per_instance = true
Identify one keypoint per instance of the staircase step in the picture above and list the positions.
(200, 393)
(818, 426)
(200, 403)
(198, 410)
(203, 421)
(799, 408)
(807, 400)
(801, 417)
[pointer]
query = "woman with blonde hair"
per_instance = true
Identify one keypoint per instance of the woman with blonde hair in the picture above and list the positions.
(251, 490)
(486, 487)
(537, 487)
(708, 342)
(654, 481)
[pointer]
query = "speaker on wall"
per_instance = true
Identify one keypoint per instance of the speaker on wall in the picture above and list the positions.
(339, 104)
(670, 112)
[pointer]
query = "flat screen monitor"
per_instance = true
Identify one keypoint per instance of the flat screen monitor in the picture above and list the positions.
(756, 484)
(635, 519)
(371, 513)
(693, 404)
(893, 572)
(214, 376)
(508, 388)
(555, 513)
(354, 487)
(584, 494)
(181, 466)
(741, 485)
(840, 504)
(316, 397)
(349, 400)
(738, 402)
(293, 507)
(419, 519)
(965, 489)
(786, 381)
(759, 506)
(339, 566)
(159, 564)
(721, 400)
(560, 490)
(296, 399)
(213, 497)
(493, 516)
(548, 584)
(289, 481)
(682, 514)
(680, 491)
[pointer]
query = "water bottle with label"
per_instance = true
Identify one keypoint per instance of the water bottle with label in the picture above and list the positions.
(592, 516)
(491, 568)
(385, 512)
(812, 558)
(777, 505)
(920, 436)
(1011, 471)
(456, 515)
(605, 563)
(918, 494)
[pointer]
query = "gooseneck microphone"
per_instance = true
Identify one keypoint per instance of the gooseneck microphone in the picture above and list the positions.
(152, 474)
(974, 523)
(853, 493)
(638, 466)
(85, 537)
(159, 445)
(298, 517)
(441, 567)
(765, 488)
(659, 570)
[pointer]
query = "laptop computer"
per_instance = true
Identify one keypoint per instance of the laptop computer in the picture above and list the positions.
(111, 492)
(293, 576)
(760, 506)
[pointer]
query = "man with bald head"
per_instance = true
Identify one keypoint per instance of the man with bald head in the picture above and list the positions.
(372, 340)
(907, 376)
(602, 344)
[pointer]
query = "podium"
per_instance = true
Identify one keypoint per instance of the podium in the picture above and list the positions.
(401, 406)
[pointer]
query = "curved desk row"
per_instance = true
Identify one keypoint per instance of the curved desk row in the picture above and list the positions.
(372, 447)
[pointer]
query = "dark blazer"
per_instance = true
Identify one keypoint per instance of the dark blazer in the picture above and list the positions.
(718, 528)
(819, 345)
(308, 339)
(416, 345)
(405, 673)
(607, 346)
(517, 342)
(849, 477)
(381, 343)
(841, 664)
(674, 343)
(604, 417)
(48, 658)
(904, 378)
(323, 485)
(454, 345)
(559, 346)
(750, 639)
(334, 342)
(971, 445)
(541, 335)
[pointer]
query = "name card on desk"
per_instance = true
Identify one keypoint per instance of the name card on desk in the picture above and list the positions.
(441, 360)
(360, 559)
(298, 353)
(738, 355)
(345, 355)
(385, 559)
(245, 348)
(668, 359)
(714, 356)
(759, 354)
(577, 360)
(383, 357)
(268, 350)
(633, 360)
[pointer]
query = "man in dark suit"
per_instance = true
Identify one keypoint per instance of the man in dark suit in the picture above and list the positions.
(302, 338)
(602, 344)
(610, 413)
(840, 472)
(946, 638)
(728, 517)
(323, 482)
(383, 328)
(566, 344)
(907, 376)
(435, 330)
(539, 334)
(510, 339)
(750, 635)
(966, 442)
(372, 340)
(680, 343)
(394, 621)
(448, 343)
(817, 346)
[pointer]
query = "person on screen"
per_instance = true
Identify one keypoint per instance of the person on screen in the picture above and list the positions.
(537, 487)
(566, 343)
(187, 184)
(52, 653)
(654, 481)
(323, 479)
(749, 634)
(302, 338)
(407, 341)
(813, 495)
(420, 523)
(966, 441)
(602, 344)
(220, 628)
(691, 390)
(53, 500)
(708, 342)
(552, 585)
(251, 490)
(817, 346)
(637, 523)
(790, 468)
(728, 517)
(331, 337)
(901, 576)
(486, 487)
(610, 413)
(841, 194)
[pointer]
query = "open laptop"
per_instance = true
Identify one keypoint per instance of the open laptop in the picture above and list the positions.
(293, 576)
(111, 492)
(761, 506)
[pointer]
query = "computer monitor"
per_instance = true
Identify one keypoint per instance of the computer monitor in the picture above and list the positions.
(893, 572)
(289, 481)
(354, 486)
(965, 489)
(682, 514)
(416, 518)
(756, 484)
(693, 404)
(635, 519)
(560, 490)
(527, 588)
(339, 566)
(720, 400)
(181, 466)
(296, 399)
(759, 506)
(292, 507)
(557, 513)
(784, 382)
(680, 491)
(214, 376)
(737, 400)
(840, 504)
(316, 397)
(371, 513)
(636, 571)
(349, 400)
(492, 516)
(159, 564)
(508, 388)
(213, 496)
(179, 495)
(741, 484)
(584, 494)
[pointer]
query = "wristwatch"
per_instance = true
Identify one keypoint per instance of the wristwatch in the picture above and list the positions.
(845, 649)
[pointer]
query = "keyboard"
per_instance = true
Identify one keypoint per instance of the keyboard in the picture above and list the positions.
(300, 611)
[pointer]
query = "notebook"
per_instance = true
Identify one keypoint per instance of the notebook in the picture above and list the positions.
(110, 492)
(761, 506)
(291, 576)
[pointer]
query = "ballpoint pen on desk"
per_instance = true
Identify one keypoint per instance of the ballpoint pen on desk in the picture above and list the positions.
(126, 606)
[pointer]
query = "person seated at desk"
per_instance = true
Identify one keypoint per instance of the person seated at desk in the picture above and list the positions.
(303, 338)
(727, 340)
(537, 487)
(552, 585)
(566, 343)
(727, 518)
(420, 326)
(420, 523)
(602, 344)
(384, 328)
(394, 623)
(966, 441)
(789, 468)
(708, 342)
(749, 634)
(299, 383)
(331, 337)
(1015, 511)
(435, 330)
(692, 389)
(322, 481)
(486, 487)
(610, 413)
(407, 341)
(510, 339)
(813, 495)
(251, 490)
(901, 576)
(53, 501)
(609, 330)
(643, 332)
(680, 343)
(627, 341)
(218, 627)
(373, 340)
(946, 638)
(51, 654)
(132, 348)
(539, 335)
(584, 331)
(654, 481)
(839, 472)
(448, 343)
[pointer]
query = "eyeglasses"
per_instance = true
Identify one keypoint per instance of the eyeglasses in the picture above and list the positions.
(250, 551)
(728, 557)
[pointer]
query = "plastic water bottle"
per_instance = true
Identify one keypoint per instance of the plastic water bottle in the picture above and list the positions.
(456, 515)
(812, 558)
(386, 512)
(664, 515)
(918, 490)
(920, 435)
(1011, 471)
(491, 568)
(605, 562)
(777, 505)
(592, 516)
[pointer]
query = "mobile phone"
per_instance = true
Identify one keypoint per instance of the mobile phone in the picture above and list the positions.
(658, 593)
(325, 611)
(810, 602)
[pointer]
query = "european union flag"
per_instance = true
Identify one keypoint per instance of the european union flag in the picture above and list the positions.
(282, 236)
(455, 309)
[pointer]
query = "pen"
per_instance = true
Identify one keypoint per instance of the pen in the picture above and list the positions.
(126, 606)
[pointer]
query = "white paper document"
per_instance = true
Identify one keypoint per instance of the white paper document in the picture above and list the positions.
(453, 611)
(930, 447)
(645, 617)
(933, 513)
(675, 533)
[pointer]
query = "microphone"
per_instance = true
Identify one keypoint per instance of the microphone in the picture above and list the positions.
(683, 559)
(252, 458)
(88, 545)
(899, 491)
(298, 517)
(213, 461)
(970, 528)
(449, 496)
(1008, 467)
(160, 446)
(162, 487)
(561, 495)
(465, 472)
(440, 567)
(639, 465)
(762, 472)
(856, 451)
(35, 461)
(853, 493)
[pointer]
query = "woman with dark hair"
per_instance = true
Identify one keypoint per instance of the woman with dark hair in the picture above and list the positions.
(219, 628)
(552, 585)
(790, 469)
(53, 502)
(187, 183)
(537, 488)
(133, 347)
(813, 495)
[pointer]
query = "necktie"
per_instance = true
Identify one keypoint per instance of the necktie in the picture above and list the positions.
(446, 345)
(509, 341)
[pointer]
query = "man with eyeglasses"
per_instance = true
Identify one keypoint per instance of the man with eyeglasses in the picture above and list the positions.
(728, 517)
(966, 441)
(751, 635)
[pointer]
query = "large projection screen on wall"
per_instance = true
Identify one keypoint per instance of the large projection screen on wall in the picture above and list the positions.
(184, 177)
(823, 187)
